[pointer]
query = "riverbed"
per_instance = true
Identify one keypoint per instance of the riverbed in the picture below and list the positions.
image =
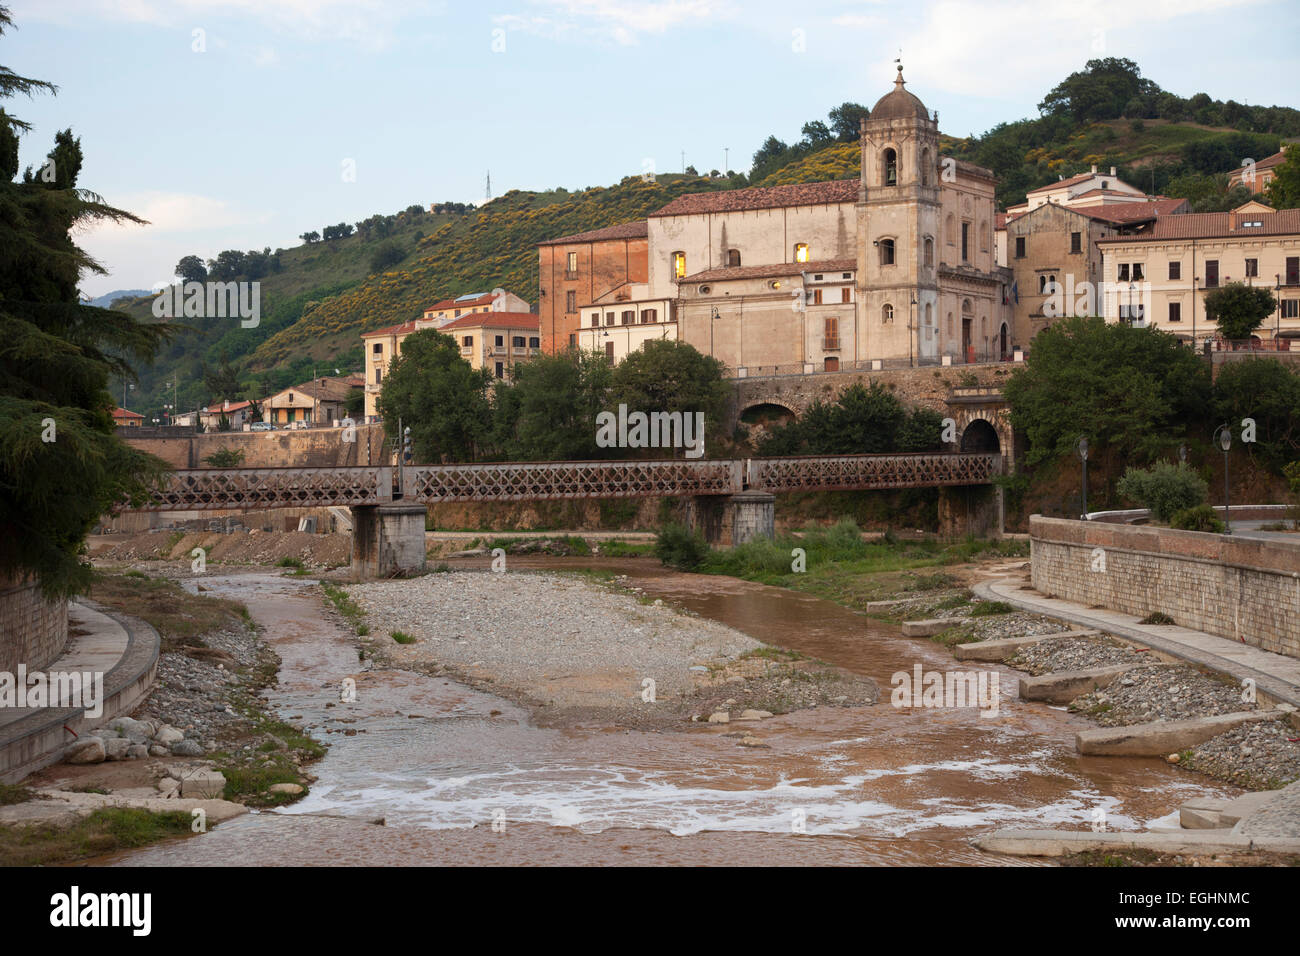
(427, 770)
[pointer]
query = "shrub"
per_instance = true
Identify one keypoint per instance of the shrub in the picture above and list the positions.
(289, 562)
(1157, 617)
(1200, 518)
(1164, 488)
(986, 608)
(679, 547)
(401, 637)
(226, 458)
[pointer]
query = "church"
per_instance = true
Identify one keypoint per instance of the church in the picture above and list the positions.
(893, 269)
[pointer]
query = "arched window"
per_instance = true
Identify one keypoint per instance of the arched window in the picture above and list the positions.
(929, 321)
(929, 252)
(801, 252)
(886, 252)
(679, 264)
(887, 313)
(925, 166)
(733, 257)
(890, 168)
(950, 234)
(1042, 285)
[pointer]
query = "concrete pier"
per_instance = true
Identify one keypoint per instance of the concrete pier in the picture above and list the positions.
(387, 540)
(753, 515)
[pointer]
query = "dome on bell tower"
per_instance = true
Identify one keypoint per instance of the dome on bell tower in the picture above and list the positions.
(899, 104)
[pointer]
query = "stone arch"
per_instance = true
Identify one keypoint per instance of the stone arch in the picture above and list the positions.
(767, 413)
(979, 435)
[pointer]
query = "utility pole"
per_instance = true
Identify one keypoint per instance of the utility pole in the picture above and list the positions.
(726, 160)
(683, 161)
(489, 184)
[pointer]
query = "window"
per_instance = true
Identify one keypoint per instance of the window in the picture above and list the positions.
(1175, 270)
(890, 168)
(570, 301)
(1252, 267)
(649, 315)
(1020, 247)
(887, 313)
(377, 348)
(950, 233)
(517, 341)
(1211, 273)
(925, 167)
(500, 370)
(1293, 270)
(1122, 275)
(629, 317)
(1042, 285)
(609, 352)
(846, 295)
(929, 252)
(1175, 312)
(886, 252)
(573, 340)
(1137, 272)
(572, 264)
(831, 333)
(1076, 242)
(733, 257)
(609, 318)
(1291, 308)
(379, 375)
(535, 342)
(467, 341)
(816, 296)
(679, 264)
(801, 252)
(965, 242)
(595, 320)
(500, 341)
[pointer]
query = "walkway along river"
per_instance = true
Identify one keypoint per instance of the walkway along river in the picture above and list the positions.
(438, 762)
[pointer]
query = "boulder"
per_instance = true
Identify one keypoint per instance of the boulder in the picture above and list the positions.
(137, 752)
(86, 750)
(187, 748)
(168, 735)
(115, 748)
(754, 714)
(720, 717)
(158, 750)
(203, 784)
(291, 788)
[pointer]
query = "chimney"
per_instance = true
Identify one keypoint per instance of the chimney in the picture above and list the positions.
(1112, 170)
(1094, 169)
(225, 404)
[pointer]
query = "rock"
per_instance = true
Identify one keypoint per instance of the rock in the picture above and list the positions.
(158, 750)
(204, 784)
(186, 748)
(699, 668)
(291, 788)
(168, 785)
(137, 752)
(1174, 758)
(754, 714)
(749, 740)
(86, 750)
(129, 727)
(168, 735)
(115, 748)
(720, 717)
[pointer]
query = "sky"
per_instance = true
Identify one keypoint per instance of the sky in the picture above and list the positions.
(244, 123)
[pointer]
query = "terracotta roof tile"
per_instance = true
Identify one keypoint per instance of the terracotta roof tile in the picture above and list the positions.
(628, 230)
(1082, 177)
(401, 329)
(762, 197)
(1131, 212)
(495, 320)
(120, 412)
(775, 270)
(1213, 225)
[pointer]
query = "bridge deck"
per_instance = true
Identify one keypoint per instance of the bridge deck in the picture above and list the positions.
(211, 489)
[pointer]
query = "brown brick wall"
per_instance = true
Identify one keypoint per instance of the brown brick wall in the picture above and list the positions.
(33, 631)
(1240, 588)
(602, 267)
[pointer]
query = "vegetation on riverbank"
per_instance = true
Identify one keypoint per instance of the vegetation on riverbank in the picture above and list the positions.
(106, 830)
(180, 618)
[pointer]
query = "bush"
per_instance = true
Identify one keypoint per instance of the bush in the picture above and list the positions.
(1200, 518)
(1165, 488)
(679, 547)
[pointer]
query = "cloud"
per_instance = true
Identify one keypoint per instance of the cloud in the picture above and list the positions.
(620, 21)
(175, 213)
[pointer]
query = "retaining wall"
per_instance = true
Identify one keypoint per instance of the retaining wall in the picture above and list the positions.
(33, 631)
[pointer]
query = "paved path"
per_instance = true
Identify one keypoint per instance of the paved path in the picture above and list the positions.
(1275, 674)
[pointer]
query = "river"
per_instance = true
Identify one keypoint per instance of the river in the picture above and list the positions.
(462, 777)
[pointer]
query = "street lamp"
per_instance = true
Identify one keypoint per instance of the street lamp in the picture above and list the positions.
(1223, 435)
(1182, 454)
(910, 310)
(1083, 457)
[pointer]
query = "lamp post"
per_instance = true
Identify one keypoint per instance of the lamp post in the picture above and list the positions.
(910, 309)
(1182, 454)
(1083, 457)
(713, 315)
(1223, 435)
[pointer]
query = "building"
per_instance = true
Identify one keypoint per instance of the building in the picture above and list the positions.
(1169, 265)
(1053, 254)
(584, 269)
(448, 310)
(1091, 188)
(1260, 175)
(622, 320)
(237, 414)
(125, 418)
(320, 401)
(496, 341)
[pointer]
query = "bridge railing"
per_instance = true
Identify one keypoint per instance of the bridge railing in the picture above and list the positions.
(831, 472)
(205, 489)
(544, 481)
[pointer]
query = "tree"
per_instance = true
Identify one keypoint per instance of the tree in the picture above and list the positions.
(1102, 90)
(1268, 392)
(309, 237)
(61, 465)
(816, 134)
(670, 376)
(192, 269)
(223, 381)
(846, 121)
(549, 412)
(388, 254)
(1164, 488)
(1284, 189)
(1129, 390)
(1239, 308)
(439, 396)
(225, 457)
(862, 421)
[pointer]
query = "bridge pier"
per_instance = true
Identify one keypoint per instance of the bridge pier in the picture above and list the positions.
(387, 540)
(734, 519)
(976, 510)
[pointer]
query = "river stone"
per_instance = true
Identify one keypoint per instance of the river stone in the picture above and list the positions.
(137, 752)
(291, 788)
(754, 714)
(115, 748)
(721, 717)
(158, 750)
(86, 750)
(186, 748)
(168, 735)
(204, 784)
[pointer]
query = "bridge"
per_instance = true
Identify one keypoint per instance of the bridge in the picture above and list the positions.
(388, 503)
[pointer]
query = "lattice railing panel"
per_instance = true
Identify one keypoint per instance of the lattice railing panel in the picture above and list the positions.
(543, 481)
(210, 489)
(814, 473)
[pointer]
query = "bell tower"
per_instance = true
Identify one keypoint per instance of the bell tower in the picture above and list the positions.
(898, 212)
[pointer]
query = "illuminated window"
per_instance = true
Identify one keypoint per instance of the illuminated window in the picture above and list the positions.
(679, 264)
(572, 264)
(801, 252)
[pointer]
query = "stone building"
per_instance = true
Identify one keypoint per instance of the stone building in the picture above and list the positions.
(583, 269)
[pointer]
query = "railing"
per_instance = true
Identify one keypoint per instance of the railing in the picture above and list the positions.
(211, 489)
(845, 472)
(546, 481)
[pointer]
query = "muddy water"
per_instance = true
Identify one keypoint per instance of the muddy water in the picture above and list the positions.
(439, 762)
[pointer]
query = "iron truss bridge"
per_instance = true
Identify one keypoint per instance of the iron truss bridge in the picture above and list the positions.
(213, 489)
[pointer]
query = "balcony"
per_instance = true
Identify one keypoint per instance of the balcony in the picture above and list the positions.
(831, 344)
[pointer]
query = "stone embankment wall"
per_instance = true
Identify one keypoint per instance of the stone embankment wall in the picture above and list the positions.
(1240, 588)
(305, 448)
(33, 631)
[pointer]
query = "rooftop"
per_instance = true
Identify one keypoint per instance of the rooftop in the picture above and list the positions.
(627, 230)
(898, 103)
(773, 271)
(495, 320)
(762, 197)
(1215, 225)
